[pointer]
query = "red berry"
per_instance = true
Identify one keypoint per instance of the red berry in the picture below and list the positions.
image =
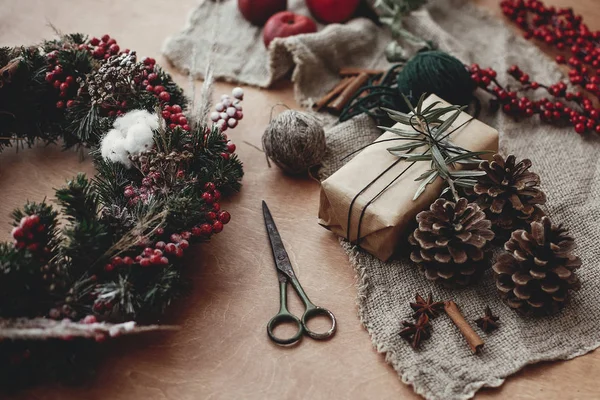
(70, 103)
(145, 262)
(109, 267)
(150, 88)
(216, 195)
(597, 129)
(186, 235)
(105, 38)
(580, 128)
(186, 127)
(217, 226)
(170, 248)
(57, 84)
(152, 77)
(127, 260)
(60, 104)
(182, 121)
(172, 126)
(64, 86)
(176, 109)
(149, 61)
(206, 229)
(225, 155)
(90, 319)
(196, 231)
(164, 260)
(17, 233)
(179, 252)
(184, 244)
(95, 41)
(207, 197)
(114, 48)
(216, 207)
(160, 245)
(166, 114)
(116, 261)
(231, 147)
(58, 70)
(224, 217)
(164, 96)
(159, 88)
(211, 215)
(155, 259)
(111, 42)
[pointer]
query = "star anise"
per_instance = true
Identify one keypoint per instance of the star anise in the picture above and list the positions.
(416, 332)
(421, 306)
(488, 322)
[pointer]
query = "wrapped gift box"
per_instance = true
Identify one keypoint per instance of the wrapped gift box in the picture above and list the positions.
(386, 219)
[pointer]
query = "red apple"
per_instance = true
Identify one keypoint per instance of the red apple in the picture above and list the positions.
(257, 12)
(332, 11)
(286, 23)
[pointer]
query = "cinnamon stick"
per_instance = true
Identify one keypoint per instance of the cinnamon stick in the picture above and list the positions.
(473, 339)
(323, 101)
(343, 99)
(349, 71)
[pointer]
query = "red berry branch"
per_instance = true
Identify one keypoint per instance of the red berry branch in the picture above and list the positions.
(565, 31)
(562, 107)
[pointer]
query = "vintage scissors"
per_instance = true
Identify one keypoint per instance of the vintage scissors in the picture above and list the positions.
(286, 273)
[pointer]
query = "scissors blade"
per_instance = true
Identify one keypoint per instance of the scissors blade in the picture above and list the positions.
(282, 260)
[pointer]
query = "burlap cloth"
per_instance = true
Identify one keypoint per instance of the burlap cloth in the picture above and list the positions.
(444, 368)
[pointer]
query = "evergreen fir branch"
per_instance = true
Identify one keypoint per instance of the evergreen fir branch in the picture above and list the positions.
(121, 295)
(21, 285)
(167, 286)
(110, 181)
(79, 200)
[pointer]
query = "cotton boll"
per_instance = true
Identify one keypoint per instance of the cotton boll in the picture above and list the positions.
(133, 117)
(151, 120)
(139, 138)
(123, 122)
(109, 141)
(112, 148)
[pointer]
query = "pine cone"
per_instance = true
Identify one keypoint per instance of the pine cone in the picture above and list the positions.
(509, 192)
(450, 241)
(537, 274)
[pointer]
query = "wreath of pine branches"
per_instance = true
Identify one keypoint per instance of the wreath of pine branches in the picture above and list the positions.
(110, 249)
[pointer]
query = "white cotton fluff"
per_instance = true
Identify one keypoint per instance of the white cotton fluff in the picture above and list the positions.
(133, 134)
(112, 148)
(139, 138)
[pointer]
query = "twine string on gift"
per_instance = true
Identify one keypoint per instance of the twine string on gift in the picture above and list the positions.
(376, 196)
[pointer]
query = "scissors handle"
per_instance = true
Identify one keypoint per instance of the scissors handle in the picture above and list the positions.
(315, 311)
(282, 317)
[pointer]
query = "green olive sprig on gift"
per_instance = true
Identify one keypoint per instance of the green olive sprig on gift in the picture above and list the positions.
(431, 134)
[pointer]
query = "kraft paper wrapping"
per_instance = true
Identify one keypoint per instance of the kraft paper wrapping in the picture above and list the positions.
(387, 218)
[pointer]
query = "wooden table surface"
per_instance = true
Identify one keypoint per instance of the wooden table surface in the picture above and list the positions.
(222, 351)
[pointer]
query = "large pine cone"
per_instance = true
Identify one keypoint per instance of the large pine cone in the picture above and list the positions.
(509, 192)
(537, 274)
(450, 241)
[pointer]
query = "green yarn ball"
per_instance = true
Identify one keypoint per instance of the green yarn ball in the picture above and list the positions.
(439, 73)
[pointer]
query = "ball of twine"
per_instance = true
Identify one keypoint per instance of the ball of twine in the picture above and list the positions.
(295, 141)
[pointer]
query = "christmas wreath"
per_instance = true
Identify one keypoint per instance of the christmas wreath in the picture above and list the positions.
(111, 252)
